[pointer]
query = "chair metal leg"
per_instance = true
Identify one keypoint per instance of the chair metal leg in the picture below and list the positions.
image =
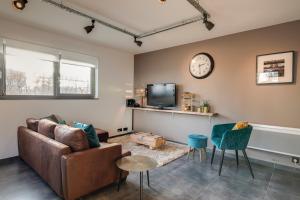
(148, 179)
(213, 155)
(237, 158)
(248, 162)
(221, 163)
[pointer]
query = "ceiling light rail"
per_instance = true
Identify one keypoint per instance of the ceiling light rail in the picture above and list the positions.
(203, 17)
(71, 10)
(196, 4)
(172, 26)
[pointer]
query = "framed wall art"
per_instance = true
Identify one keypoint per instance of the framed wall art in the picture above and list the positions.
(276, 68)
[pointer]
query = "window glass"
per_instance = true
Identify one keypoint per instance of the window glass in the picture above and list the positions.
(28, 76)
(75, 79)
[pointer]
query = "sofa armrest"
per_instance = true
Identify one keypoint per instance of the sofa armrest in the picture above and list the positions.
(43, 155)
(86, 171)
(102, 134)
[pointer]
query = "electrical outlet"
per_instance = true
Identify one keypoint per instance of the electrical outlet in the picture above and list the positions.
(125, 129)
(295, 160)
(119, 129)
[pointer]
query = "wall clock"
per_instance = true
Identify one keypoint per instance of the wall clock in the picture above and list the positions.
(201, 65)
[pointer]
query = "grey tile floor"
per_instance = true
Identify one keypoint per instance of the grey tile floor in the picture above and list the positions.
(179, 180)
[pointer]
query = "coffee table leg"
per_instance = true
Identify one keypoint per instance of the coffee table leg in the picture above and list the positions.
(120, 179)
(141, 185)
(148, 179)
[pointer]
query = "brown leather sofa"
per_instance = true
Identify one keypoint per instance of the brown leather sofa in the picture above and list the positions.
(62, 157)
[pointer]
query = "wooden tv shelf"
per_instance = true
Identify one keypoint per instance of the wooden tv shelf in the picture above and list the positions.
(175, 111)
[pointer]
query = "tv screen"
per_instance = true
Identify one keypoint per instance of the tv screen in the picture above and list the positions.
(161, 95)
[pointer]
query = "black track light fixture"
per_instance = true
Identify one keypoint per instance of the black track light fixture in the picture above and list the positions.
(209, 25)
(138, 42)
(19, 4)
(89, 29)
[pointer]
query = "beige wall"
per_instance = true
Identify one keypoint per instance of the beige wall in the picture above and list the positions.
(231, 89)
(107, 112)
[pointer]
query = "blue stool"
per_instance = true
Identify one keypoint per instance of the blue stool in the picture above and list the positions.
(197, 142)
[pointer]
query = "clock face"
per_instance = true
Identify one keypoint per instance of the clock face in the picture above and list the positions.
(201, 65)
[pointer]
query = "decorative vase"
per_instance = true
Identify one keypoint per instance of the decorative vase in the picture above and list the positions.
(205, 109)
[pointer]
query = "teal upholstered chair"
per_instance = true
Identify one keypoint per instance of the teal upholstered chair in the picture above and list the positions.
(224, 138)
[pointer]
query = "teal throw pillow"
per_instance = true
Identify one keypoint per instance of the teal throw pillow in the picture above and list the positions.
(90, 133)
(62, 122)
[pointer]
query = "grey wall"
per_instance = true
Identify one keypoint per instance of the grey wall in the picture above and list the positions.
(231, 89)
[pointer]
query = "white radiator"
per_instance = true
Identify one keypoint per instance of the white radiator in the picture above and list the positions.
(276, 139)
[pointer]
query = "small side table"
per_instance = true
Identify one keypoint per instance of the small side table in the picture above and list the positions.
(197, 142)
(139, 164)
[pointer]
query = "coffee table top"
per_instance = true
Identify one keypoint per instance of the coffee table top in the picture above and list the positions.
(136, 163)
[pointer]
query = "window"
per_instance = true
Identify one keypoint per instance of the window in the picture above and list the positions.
(34, 74)
(28, 74)
(75, 78)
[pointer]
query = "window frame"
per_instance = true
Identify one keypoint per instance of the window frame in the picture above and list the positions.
(56, 82)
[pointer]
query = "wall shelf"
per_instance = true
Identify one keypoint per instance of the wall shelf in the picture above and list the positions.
(176, 112)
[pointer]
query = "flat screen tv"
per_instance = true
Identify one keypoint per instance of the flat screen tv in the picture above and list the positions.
(161, 95)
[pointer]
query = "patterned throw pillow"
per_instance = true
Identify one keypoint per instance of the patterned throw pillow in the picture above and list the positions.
(240, 125)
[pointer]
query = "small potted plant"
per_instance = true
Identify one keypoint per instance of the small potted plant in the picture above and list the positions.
(205, 106)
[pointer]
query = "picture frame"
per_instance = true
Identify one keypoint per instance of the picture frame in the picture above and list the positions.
(275, 68)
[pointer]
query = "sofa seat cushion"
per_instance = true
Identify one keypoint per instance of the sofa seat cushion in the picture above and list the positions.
(90, 133)
(32, 124)
(75, 138)
(46, 128)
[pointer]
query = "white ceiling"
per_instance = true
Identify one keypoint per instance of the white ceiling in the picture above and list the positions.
(138, 16)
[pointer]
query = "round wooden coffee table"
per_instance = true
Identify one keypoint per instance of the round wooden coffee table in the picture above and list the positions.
(139, 164)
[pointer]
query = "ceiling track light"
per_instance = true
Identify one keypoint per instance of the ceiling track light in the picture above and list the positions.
(209, 25)
(90, 28)
(162, 1)
(203, 17)
(19, 4)
(138, 42)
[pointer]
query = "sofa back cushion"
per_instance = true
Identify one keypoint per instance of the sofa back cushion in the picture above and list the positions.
(75, 138)
(46, 127)
(32, 124)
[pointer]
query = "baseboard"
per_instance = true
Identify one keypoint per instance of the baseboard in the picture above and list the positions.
(8, 160)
